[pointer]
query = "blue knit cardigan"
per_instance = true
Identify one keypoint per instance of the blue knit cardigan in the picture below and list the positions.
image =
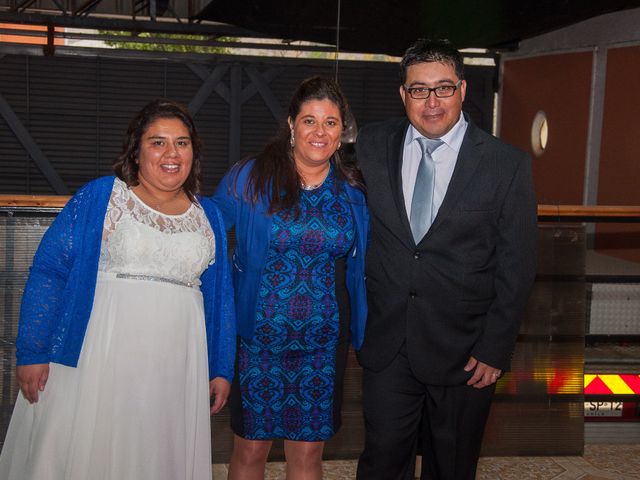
(253, 236)
(59, 293)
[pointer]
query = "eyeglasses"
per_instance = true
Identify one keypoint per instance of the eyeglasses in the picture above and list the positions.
(441, 91)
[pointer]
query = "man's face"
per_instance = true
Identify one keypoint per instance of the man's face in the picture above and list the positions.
(432, 117)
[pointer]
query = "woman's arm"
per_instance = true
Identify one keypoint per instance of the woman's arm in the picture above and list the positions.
(43, 294)
(217, 290)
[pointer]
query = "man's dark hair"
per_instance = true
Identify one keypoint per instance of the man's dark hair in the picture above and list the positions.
(426, 50)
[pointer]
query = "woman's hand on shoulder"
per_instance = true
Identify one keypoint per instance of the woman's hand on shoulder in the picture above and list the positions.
(219, 389)
(32, 379)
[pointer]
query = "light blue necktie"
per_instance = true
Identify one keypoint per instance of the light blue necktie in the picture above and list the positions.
(422, 200)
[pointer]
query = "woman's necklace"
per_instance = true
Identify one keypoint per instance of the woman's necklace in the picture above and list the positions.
(312, 186)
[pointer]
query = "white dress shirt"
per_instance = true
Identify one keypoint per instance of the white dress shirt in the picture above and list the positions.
(444, 157)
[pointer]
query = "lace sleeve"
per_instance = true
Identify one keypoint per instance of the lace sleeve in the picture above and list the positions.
(219, 302)
(43, 293)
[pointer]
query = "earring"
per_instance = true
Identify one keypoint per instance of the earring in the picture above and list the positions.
(339, 145)
(292, 140)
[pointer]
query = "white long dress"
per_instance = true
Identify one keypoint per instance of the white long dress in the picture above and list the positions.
(137, 405)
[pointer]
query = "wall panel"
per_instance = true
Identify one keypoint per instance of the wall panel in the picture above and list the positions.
(560, 86)
(619, 178)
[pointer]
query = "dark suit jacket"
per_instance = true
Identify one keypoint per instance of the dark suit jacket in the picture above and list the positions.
(461, 291)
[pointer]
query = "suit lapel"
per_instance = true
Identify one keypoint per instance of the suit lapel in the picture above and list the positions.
(395, 148)
(468, 159)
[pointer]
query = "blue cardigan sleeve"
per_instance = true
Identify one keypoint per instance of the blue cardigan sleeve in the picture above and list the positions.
(217, 291)
(43, 296)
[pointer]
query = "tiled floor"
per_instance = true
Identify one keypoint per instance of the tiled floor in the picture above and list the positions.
(600, 462)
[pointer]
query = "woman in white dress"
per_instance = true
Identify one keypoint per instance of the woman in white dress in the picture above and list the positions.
(127, 324)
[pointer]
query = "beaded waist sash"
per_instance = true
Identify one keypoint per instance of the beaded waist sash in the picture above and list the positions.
(151, 278)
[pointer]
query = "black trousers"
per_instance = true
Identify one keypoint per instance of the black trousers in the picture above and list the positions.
(398, 409)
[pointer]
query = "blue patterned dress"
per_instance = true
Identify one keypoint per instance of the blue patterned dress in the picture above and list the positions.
(287, 374)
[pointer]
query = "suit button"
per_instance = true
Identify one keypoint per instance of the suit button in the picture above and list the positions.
(413, 294)
(416, 255)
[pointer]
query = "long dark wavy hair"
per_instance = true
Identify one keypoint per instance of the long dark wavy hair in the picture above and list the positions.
(125, 165)
(274, 174)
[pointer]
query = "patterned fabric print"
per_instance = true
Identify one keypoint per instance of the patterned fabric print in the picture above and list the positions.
(287, 373)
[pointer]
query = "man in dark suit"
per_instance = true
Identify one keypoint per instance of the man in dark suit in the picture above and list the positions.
(451, 260)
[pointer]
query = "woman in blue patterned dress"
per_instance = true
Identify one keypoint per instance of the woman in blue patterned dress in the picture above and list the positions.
(298, 207)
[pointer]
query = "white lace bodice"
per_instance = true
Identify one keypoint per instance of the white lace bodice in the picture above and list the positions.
(138, 240)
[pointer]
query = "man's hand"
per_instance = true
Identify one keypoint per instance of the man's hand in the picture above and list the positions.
(32, 379)
(483, 376)
(219, 388)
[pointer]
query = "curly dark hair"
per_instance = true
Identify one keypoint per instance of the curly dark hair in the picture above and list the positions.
(125, 165)
(274, 172)
(426, 51)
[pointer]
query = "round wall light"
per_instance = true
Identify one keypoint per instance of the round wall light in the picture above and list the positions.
(539, 133)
